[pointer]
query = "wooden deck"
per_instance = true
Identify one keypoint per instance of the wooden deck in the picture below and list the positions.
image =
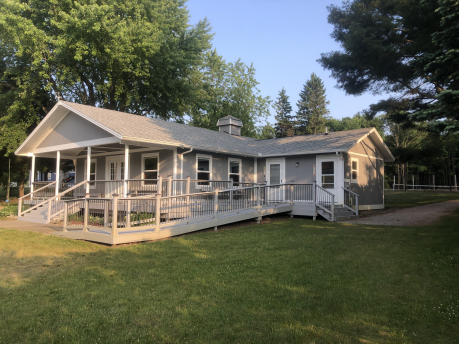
(173, 228)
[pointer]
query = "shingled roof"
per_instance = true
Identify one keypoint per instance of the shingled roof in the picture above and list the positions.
(139, 128)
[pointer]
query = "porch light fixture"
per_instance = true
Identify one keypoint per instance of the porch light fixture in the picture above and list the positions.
(297, 164)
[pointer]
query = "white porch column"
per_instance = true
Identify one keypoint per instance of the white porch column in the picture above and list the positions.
(32, 174)
(58, 168)
(126, 170)
(88, 168)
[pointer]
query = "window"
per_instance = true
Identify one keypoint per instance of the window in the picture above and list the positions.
(203, 168)
(354, 170)
(327, 174)
(150, 168)
(234, 169)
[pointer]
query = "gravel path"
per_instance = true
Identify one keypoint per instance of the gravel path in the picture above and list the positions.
(415, 216)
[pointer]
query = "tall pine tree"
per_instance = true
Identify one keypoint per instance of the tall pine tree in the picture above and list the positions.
(284, 125)
(312, 107)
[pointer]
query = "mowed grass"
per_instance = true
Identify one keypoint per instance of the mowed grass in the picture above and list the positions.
(407, 199)
(285, 282)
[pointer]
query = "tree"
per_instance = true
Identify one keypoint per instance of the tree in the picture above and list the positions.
(227, 89)
(266, 132)
(134, 55)
(358, 121)
(406, 48)
(312, 107)
(284, 125)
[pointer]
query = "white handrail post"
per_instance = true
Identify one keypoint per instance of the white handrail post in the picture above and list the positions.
(19, 207)
(333, 208)
(114, 215)
(258, 196)
(259, 208)
(187, 190)
(58, 168)
(106, 213)
(88, 168)
(86, 213)
(413, 183)
(160, 185)
(157, 212)
(169, 186)
(292, 192)
(231, 199)
(66, 212)
(216, 205)
(50, 204)
(128, 212)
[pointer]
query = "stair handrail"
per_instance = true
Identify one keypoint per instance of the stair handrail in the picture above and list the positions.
(20, 212)
(317, 204)
(58, 197)
(31, 193)
(356, 211)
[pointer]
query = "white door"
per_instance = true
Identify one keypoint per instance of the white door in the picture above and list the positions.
(275, 175)
(115, 175)
(329, 172)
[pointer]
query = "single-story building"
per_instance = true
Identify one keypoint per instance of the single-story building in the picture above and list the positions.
(127, 152)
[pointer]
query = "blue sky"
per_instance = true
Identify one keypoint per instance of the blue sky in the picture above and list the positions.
(283, 39)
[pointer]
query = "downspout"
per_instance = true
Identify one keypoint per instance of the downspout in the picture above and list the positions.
(182, 163)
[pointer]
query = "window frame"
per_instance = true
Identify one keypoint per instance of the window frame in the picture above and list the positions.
(204, 156)
(150, 155)
(354, 181)
(240, 161)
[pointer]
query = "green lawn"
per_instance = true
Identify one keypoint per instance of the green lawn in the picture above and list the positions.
(285, 282)
(407, 199)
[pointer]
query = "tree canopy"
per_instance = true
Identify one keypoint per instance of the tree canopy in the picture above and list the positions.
(406, 48)
(312, 107)
(284, 125)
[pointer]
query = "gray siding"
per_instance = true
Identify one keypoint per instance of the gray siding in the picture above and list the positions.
(261, 176)
(71, 129)
(219, 166)
(370, 179)
(366, 147)
(304, 172)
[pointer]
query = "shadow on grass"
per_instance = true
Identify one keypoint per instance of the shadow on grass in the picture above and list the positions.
(292, 281)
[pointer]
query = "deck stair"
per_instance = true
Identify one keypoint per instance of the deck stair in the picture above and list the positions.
(341, 213)
(38, 215)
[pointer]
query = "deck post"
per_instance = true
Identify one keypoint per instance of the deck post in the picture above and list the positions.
(169, 186)
(86, 213)
(413, 183)
(231, 199)
(106, 213)
(157, 212)
(128, 212)
(187, 190)
(216, 205)
(292, 192)
(66, 211)
(259, 218)
(357, 205)
(114, 215)
(394, 182)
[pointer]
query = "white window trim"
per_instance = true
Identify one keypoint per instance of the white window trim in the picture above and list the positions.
(205, 156)
(150, 155)
(240, 169)
(354, 181)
